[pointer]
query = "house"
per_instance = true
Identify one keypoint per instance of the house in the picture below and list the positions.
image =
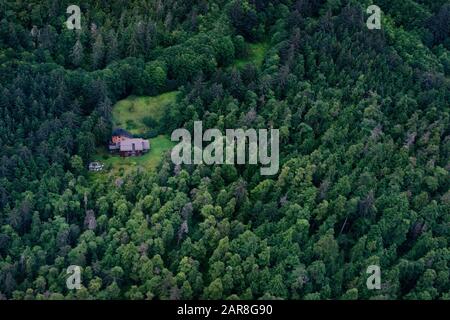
(95, 166)
(133, 147)
(124, 143)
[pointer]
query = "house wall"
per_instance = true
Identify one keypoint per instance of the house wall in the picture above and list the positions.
(130, 153)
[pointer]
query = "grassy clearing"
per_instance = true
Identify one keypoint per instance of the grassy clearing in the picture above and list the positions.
(118, 165)
(257, 52)
(130, 113)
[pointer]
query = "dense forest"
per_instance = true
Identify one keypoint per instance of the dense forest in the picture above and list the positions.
(364, 120)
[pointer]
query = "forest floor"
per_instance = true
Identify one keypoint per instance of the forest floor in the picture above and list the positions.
(129, 114)
(257, 52)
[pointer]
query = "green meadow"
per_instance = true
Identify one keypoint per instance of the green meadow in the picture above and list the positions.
(130, 113)
(149, 161)
(256, 54)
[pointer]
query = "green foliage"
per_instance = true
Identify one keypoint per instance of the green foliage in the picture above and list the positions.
(135, 113)
(364, 130)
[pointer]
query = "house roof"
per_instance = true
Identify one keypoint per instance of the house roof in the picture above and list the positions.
(121, 132)
(139, 145)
